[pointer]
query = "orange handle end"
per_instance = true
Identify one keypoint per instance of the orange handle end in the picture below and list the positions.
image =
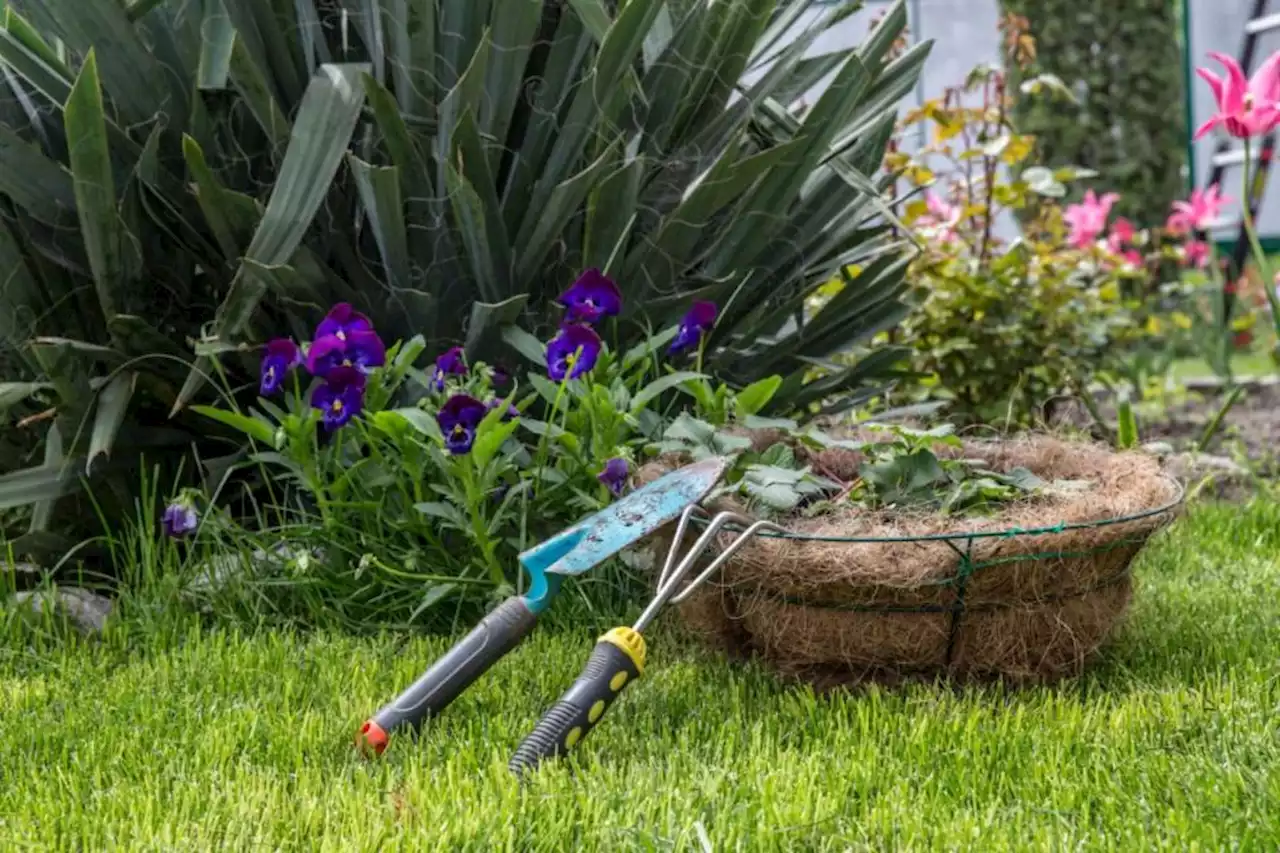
(372, 738)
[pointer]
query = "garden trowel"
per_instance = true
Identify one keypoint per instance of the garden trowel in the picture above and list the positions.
(570, 552)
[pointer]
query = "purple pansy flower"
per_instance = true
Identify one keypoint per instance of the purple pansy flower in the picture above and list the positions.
(592, 296)
(458, 419)
(499, 375)
(451, 362)
(572, 352)
(614, 475)
(179, 520)
(342, 322)
(512, 411)
(696, 323)
(341, 397)
(359, 349)
(280, 357)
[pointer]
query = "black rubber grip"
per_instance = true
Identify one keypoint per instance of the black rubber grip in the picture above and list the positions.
(498, 633)
(607, 673)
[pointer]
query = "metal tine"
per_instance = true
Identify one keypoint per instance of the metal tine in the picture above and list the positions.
(671, 577)
(676, 541)
(723, 556)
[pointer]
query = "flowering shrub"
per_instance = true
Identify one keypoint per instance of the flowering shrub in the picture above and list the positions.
(1000, 329)
(416, 486)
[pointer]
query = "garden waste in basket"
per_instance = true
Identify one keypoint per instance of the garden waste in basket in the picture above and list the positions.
(571, 552)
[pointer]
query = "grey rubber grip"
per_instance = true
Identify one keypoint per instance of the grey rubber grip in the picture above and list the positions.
(498, 633)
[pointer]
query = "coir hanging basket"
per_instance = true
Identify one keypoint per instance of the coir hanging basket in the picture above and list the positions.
(1026, 594)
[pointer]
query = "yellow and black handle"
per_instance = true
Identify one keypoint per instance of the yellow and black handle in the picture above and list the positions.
(616, 661)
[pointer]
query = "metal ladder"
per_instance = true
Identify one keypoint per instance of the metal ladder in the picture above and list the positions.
(1227, 153)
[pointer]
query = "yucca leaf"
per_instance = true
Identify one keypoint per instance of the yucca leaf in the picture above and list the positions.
(398, 49)
(15, 392)
(622, 46)
(611, 211)
(468, 218)
(225, 223)
(473, 164)
(379, 188)
(568, 52)
(34, 42)
(129, 70)
(365, 17)
(94, 186)
(665, 256)
(263, 41)
(560, 207)
(319, 139)
(42, 511)
(315, 50)
(22, 298)
(395, 133)
(321, 133)
(758, 219)
(217, 38)
(487, 320)
(113, 405)
(525, 344)
(461, 34)
(39, 185)
(423, 95)
(513, 30)
(250, 81)
(54, 85)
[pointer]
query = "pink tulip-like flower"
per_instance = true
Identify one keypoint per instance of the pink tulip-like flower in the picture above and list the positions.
(1197, 213)
(1246, 106)
(1088, 219)
(1122, 234)
(1195, 253)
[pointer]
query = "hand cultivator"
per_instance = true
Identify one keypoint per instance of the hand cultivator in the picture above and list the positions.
(619, 655)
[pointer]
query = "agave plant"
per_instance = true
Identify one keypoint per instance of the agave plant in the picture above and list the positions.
(186, 178)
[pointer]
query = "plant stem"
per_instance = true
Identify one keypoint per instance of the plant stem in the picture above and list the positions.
(1259, 257)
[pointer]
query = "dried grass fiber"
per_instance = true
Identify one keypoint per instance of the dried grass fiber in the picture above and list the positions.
(1019, 606)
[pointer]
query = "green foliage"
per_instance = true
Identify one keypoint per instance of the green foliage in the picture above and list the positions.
(384, 521)
(1127, 122)
(184, 179)
(998, 330)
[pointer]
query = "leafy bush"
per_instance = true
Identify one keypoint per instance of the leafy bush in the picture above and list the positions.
(180, 178)
(998, 331)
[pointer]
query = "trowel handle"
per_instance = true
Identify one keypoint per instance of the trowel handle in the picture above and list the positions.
(616, 661)
(498, 633)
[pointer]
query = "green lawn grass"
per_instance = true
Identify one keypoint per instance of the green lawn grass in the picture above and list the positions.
(1243, 365)
(187, 739)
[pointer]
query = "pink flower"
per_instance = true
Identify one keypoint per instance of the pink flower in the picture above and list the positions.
(1246, 107)
(1122, 234)
(1088, 219)
(1197, 213)
(1195, 253)
(941, 218)
(1132, 258)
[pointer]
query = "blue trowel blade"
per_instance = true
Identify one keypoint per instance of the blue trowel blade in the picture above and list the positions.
(598, 537)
